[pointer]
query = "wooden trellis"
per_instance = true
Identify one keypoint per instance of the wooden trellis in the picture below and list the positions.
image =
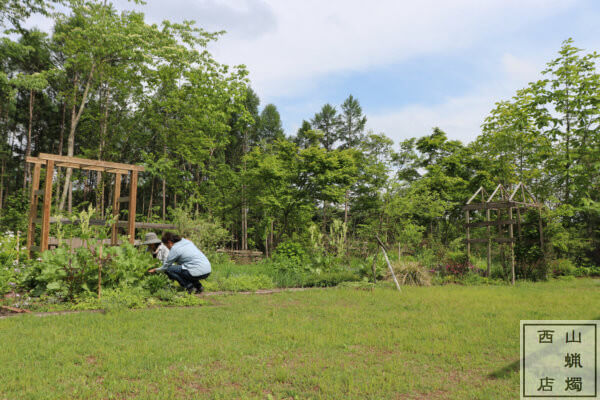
(50, 161)
(500, 199)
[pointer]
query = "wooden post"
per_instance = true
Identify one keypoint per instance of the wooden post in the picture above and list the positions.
(467, 217)
(33, 199)
(541, 231)
(519, 222)
(489, 244)
(116, 195)
(46, 206)
(512, 244)
(132, 205)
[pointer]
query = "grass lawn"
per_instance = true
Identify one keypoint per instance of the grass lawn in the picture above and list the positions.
(443, 342)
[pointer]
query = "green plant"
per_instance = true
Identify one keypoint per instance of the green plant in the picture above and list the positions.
(337, 236)
(561, 267)
(327, 279)
(205, 231)
(12, 254)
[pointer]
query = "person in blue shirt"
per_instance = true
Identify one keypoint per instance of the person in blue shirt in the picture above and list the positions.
(185, 264)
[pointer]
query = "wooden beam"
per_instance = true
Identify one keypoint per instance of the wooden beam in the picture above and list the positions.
(35, 160)
(123, 199)
(497, 240)
(47, 205)
(491, 223)
(92, 168)
(68, 165)
(475, 195)
(132, 205)
(93, 163)
(515, 192)
(116, 195)
(117, 171)
(494, 192)
(120, 224)
(33, 200)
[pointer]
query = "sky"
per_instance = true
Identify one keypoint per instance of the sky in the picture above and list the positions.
(413, 65)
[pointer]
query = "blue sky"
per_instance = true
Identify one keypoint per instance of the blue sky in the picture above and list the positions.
(412, 65)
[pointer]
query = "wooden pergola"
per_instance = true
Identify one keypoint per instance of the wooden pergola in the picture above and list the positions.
(500, 199)
(50, 161)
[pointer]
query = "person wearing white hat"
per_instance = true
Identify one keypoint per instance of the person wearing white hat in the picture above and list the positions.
(156, 247)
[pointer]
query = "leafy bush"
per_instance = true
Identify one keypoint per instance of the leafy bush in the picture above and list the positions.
(327, 279)
(290, 256)
(66, 273)
(206, 232)
(456, 257)
(457, 269)
(562, 267)
(155, 283)
(11, 255)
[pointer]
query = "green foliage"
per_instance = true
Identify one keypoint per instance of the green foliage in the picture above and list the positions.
(241, 283)
(562, 267)
(327, 279)
(206, 232)
(12, 255)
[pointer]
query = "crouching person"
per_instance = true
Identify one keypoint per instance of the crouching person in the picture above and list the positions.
(185, 264)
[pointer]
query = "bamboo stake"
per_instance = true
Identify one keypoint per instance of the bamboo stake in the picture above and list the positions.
(512, 246)
(387, 260)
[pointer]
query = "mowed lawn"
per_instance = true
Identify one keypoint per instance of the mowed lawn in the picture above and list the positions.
(450, 342)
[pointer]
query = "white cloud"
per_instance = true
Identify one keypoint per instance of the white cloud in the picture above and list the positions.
(315, 38)
(461, 116)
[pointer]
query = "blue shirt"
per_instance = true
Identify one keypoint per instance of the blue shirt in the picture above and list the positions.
(186, 254)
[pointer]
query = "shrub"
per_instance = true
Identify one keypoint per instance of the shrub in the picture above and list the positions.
(290, 256)
(562, 267)
(456, 257)
(11, 256)
(411, 273)
(327, 279)
(206, 232)
(457, 269)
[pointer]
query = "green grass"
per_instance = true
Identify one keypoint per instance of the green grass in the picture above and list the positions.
(440, 342)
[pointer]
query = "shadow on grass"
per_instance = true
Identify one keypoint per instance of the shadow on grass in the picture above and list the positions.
(506, 371)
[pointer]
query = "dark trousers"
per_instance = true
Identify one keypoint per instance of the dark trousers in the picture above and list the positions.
(187, 281)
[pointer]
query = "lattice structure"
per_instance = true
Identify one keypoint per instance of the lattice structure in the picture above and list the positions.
(50, 161)
(500, 200)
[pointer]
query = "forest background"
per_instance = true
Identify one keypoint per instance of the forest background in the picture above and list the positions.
(107, 85)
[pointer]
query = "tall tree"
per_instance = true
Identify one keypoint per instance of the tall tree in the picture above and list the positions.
(327, 121)
(269, 128)
(353, 121)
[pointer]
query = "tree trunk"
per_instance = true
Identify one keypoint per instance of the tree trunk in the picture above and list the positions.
(151, 197)
(103, 128)
(75, 116)
(346, 208)
(28, 148)
(164, 199)
(60, 147)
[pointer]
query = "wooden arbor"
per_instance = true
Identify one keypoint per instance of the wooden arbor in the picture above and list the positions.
(50, 161)
(499, 201)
